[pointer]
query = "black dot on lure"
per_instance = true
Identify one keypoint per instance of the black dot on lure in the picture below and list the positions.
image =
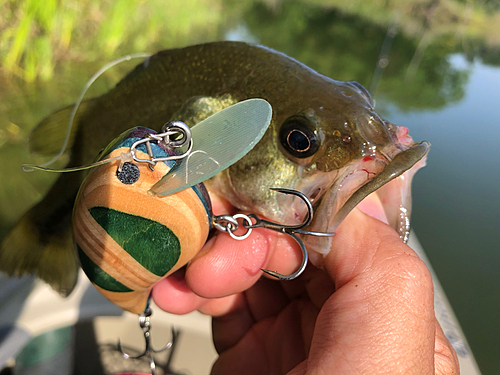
(129, 173)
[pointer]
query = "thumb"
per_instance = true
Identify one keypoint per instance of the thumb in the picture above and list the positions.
(381, 317)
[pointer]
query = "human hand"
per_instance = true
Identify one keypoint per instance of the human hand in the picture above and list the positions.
(379, 320)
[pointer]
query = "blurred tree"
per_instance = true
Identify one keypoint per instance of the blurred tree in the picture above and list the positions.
(35, 35)
(347, 47)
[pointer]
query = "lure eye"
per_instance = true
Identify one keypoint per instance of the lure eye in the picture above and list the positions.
(298, 138)
(128, 174)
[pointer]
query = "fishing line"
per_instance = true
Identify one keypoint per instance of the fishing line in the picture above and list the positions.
(125, 156)
(30, 167)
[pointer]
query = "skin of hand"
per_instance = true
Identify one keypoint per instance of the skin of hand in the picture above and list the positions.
(369, 310)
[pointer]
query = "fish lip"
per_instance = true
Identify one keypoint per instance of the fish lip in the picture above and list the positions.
(399, 164)
(327, 217)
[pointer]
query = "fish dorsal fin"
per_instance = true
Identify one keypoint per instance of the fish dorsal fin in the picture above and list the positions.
(48, 136)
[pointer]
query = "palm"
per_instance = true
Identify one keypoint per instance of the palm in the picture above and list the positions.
(379, 320)
(270, 331)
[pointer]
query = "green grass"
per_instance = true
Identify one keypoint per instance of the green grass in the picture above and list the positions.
(37, 35)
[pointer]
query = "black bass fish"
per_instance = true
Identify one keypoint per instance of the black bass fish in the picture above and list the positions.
(325, 140)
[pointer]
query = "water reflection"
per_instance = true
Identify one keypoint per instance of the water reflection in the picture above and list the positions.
(347, 47)
(456, 204)
(440, 81)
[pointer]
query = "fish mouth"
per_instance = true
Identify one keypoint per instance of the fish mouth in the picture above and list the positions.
(389, 176)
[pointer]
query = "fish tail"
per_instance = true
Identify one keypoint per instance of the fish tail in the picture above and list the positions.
(23, 253)
(41, 242)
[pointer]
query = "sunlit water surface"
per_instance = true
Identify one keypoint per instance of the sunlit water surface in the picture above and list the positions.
(456, 212)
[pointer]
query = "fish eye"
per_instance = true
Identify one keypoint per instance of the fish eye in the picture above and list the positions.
(361, 89)
(298, 138)
(128, 174)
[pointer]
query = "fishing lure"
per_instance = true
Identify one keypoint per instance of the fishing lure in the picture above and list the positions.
(127, 237)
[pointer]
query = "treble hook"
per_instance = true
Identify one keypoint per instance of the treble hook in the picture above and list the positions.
(145, 324)
(232, 225)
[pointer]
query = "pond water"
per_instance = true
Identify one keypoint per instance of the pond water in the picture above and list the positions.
(444, 89)
(457, 206)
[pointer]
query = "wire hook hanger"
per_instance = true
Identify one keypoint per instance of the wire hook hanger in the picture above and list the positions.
(229, 224)
(145, 324)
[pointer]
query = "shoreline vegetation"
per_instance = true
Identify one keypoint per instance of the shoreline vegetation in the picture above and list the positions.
(38, 37)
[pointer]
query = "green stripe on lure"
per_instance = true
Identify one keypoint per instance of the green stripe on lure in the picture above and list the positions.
(128, 238)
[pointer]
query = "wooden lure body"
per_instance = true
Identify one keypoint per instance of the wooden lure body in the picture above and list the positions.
(128, 239)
